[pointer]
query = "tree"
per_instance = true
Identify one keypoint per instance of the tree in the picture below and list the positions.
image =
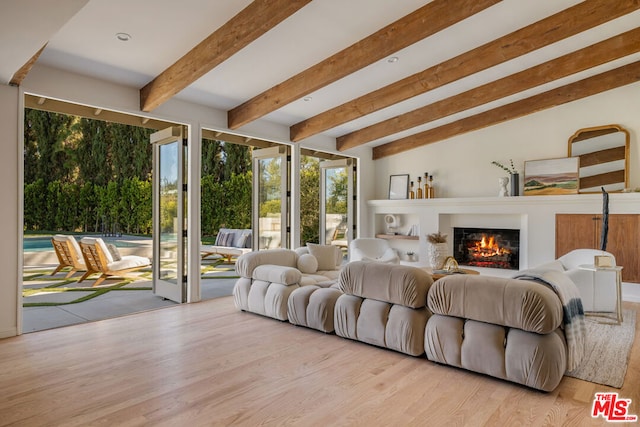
(48, 138)
(309, 200)
(130, 151)
(94, 159)
(212, 159)
(237, 159)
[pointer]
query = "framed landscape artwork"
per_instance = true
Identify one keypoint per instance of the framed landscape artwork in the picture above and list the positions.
(399, 187)
(551, 176)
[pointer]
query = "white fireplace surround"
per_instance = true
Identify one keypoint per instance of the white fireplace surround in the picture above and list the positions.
(533, 215)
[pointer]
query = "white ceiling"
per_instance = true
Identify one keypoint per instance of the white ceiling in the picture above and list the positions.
(164, 30)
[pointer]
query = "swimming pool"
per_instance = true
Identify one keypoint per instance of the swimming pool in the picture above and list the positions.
(42, 244)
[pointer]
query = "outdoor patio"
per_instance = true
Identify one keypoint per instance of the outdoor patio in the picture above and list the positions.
(54, 301)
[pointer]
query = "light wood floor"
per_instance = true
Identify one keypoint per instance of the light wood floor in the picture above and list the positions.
(208, 364)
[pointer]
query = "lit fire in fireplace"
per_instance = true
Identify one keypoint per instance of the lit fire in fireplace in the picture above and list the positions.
(487, 253)
(488, 247)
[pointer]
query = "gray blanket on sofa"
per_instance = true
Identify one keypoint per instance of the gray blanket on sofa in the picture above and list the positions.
(573, 313)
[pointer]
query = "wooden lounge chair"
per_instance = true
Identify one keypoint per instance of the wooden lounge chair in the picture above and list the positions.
(99, 259)
(68, 253)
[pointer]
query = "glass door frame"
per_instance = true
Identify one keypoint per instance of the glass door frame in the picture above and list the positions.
(164, 288)
(282, 152)
(349, 165)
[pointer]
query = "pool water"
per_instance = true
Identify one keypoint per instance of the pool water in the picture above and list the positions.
(41, 244)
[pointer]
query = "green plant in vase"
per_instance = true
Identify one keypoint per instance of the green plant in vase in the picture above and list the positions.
(513, 175)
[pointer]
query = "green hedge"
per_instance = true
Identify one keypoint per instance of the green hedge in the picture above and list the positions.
(126, 207)
(70, 207)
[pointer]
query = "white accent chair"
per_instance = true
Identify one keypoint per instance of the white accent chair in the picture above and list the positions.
(372, 249)
(597, 288)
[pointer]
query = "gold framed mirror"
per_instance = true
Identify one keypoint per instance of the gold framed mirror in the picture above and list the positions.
(604, 158)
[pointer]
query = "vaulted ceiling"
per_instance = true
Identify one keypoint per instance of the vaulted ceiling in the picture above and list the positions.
(389, 75)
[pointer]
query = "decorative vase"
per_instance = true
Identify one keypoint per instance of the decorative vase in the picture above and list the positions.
(515, 184)
(437, 255)
(503, 182)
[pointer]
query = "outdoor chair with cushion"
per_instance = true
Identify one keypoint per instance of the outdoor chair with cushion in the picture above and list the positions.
(99, 259)
(68, 253)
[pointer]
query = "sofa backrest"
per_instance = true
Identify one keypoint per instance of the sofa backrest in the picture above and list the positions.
(246, 263)
(392, 283)
(521, 304)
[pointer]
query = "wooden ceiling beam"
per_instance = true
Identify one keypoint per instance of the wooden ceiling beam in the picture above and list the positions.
(600, 53)
(621, 76)
(429, 19)
(21, 74)
(252, 22)
(571, 21)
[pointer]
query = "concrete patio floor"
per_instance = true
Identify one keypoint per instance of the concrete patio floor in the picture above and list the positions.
(111, 304)
(215, 283)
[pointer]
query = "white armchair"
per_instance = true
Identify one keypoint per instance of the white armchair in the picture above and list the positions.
(372, 249)
(597, 288)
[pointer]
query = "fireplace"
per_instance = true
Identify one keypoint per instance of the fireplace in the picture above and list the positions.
(487, 247)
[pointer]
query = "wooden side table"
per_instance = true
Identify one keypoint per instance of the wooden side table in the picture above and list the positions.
(618, 270)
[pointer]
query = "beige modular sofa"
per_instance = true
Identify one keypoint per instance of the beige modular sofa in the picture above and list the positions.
(268, 277)
(384, 305)
(505, 328)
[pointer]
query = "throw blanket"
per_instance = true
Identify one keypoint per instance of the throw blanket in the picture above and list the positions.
(573, 313)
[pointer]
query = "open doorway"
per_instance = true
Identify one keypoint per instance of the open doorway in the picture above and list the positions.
(327, 199)
(225, 209)
(87, 173)
(246, 202)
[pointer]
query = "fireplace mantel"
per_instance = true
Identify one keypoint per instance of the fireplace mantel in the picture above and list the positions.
(533, 215)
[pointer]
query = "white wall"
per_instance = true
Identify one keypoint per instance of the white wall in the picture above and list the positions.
(9, 211)
(462, 164)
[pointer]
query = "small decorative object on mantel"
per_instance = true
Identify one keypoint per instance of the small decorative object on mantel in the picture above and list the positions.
(399, 187)
(411, 256)
(438, 249)
(503, 181)
(514, 177)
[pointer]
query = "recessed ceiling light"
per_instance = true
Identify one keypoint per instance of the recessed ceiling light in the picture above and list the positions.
(393, 59)
(123, 37)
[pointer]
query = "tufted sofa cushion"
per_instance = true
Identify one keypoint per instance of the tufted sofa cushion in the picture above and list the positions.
(383, 305)
(269, 277)
(307, 264)
(521, 304)
(277, 273)
(505, 328)
(248, 262)
(396, 284)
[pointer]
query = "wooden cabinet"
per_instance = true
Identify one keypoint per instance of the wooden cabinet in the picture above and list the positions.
(575, 231)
